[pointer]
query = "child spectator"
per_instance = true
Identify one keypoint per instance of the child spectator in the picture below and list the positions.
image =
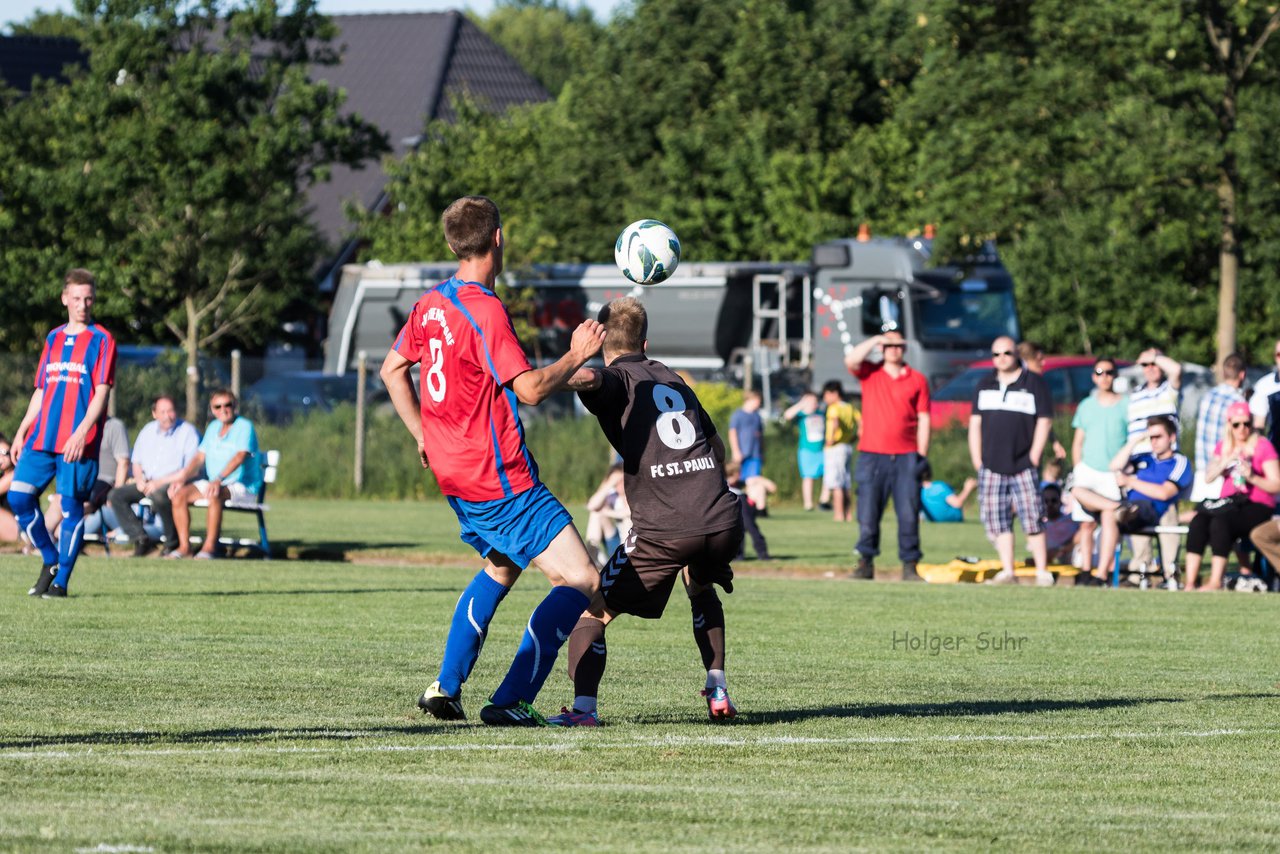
(811, 420)
(940, 503)
(749, 491)
(1061, 531)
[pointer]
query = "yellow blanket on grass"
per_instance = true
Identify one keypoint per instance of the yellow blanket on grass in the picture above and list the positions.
(975, 571)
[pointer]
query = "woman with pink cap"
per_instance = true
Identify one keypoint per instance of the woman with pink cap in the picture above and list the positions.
(1250, 469)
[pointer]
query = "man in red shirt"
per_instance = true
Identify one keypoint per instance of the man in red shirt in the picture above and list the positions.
(892, 449)
(473, 374)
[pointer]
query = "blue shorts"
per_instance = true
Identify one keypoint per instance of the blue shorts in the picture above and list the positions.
(810, 463)
(751, 467)
(520, 527)
(36, 468)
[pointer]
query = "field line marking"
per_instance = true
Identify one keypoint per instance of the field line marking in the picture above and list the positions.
(588, 743)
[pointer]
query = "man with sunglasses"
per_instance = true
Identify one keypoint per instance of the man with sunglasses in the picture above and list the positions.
(892, 449)
(1264, 403)
(1008, 431)
(1211, 421)
(228, 457)
(1101, 425)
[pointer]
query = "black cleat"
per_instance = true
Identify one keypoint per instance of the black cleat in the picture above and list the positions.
(47, 574)
(440, 705)
(143, 546)
(516, 714)
(54, 592)
(909, 572)
(866, 570)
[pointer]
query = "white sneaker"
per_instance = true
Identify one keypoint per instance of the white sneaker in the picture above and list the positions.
(1004, 576)
(1044, 578)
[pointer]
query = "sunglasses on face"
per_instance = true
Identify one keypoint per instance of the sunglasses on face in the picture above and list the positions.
(995, 354)
(218, 406)
(1146, 364)
(898, 346)
(1240, 424)
(1104, 372)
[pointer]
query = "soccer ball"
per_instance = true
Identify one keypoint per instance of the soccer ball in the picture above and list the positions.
(647, 252)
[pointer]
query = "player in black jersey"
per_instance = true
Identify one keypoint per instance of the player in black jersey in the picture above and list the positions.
(685, 521)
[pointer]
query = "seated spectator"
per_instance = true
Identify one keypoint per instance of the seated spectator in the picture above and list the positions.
(113, 468)
(163, 449)
(1149, 480)
(8, 523)
(609, 517)
(1061, 531)
(1248, 464)
(811, 420)
(940, 503)
(747, 491)
(228, 459)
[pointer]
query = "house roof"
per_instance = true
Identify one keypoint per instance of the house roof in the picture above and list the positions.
(25, 57)
(399, 71)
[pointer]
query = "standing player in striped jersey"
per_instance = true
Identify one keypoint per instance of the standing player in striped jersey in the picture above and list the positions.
(685, 522)
(465, 422)
(59, 436)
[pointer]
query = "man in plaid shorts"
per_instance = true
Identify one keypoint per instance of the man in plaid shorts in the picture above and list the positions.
(1008, 430)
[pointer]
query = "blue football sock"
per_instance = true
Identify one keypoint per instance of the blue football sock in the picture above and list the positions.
(70, 537)
(26, 509)
(549, 627)
(471, 617)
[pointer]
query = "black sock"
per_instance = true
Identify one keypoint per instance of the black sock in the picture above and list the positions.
(587, 657)
(708, 616)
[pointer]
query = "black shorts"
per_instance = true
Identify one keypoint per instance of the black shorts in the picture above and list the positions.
(641, 572)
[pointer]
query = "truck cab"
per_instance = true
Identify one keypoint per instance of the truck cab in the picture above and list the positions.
(948, 314)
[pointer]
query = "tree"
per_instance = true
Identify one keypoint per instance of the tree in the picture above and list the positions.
(1236, 35)
(178, 163)
(550, 41)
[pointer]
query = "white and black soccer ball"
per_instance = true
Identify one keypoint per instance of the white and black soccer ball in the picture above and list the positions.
(647, 252)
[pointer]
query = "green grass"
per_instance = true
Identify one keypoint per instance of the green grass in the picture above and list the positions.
(244, 705)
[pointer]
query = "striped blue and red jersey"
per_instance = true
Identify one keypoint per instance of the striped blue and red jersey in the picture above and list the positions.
(461, 335)
(71, 367)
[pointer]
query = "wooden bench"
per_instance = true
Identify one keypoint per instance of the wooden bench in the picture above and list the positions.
(269, 462)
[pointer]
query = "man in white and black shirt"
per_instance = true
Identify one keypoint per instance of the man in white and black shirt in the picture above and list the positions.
(1008, 430)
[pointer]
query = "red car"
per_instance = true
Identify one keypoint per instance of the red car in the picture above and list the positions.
(1070, 381)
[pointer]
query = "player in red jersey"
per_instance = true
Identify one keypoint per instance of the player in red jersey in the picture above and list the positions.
(473, 374)
(59, 435)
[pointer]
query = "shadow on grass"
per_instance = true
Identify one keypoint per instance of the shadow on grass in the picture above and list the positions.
(330, 550)
(275, 592)
(959, 708)
(257, 735)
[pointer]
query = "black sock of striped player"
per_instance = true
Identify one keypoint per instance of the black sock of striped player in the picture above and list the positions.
(587, 658)
(708, 628)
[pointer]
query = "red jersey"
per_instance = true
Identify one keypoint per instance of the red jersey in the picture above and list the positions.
(891, 408)
(71, 367)
(461, 335)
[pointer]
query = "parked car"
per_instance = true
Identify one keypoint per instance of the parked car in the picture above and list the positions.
(280, 398)
(1070, 380)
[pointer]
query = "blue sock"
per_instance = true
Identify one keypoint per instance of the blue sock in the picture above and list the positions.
(471, 617)
(26, 509)
(70, 538)
(549, 627)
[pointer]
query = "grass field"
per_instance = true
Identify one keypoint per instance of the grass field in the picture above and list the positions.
(244, 705)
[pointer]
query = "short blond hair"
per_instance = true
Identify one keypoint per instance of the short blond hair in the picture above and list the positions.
(626, 325)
